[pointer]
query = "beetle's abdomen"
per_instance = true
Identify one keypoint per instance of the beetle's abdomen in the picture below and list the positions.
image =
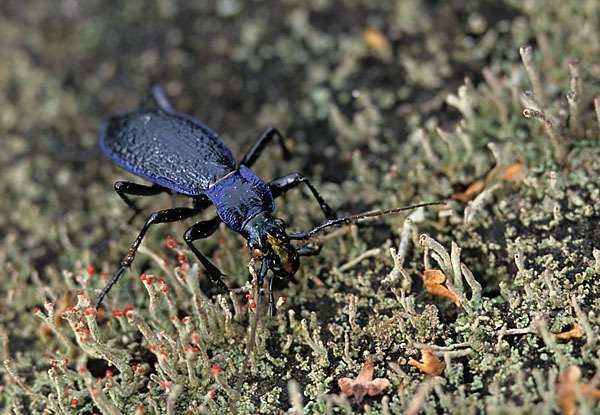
(168, 148)
(240, 196)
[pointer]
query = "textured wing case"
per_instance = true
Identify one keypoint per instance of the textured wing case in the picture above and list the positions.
(167, 148)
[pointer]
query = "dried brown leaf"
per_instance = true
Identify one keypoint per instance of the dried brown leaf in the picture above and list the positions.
(469, 194)
(513, 171)
(577, 331)
(566, 394)
(433, 280)
(430, 365)
(363, 384)
(375, 39)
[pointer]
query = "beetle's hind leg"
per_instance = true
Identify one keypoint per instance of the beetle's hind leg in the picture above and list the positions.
(163, 216)
(267, 136)
(203, 230)
(160, 97)
(283, 184)
(124, 189)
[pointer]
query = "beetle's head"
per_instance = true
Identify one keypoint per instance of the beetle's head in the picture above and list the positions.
(267, 239)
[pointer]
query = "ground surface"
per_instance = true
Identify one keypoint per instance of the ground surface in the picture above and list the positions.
(384, 104)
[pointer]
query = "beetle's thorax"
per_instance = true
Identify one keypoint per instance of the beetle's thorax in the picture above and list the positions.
(239, 196)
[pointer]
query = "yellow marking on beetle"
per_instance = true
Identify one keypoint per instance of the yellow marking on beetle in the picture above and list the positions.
(281, 253)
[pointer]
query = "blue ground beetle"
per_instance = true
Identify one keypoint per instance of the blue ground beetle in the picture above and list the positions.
(179, 153)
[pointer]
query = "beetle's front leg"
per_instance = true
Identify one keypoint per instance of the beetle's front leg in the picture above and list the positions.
(271, 296)
(203, 230)
(308, 250)
(283, 184)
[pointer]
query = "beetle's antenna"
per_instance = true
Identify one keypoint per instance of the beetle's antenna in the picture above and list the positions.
(251, 340)
(354, 218)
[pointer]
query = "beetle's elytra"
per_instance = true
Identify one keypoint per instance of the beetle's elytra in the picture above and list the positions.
(167, 148)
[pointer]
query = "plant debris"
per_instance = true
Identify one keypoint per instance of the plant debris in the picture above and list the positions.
(430, 365)
(576, 332)
(433, 280)
(363, 384)
(566, 390)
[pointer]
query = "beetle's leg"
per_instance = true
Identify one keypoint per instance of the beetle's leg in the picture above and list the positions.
(261, 281)
(283, 184)
(203, 230)
(271, 297)
(308, 250)
(260, 144)
(135, 189)
(161, 98)
(108, 286)
(163, 216)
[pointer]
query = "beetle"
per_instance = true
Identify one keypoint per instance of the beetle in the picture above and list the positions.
(178, 153)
